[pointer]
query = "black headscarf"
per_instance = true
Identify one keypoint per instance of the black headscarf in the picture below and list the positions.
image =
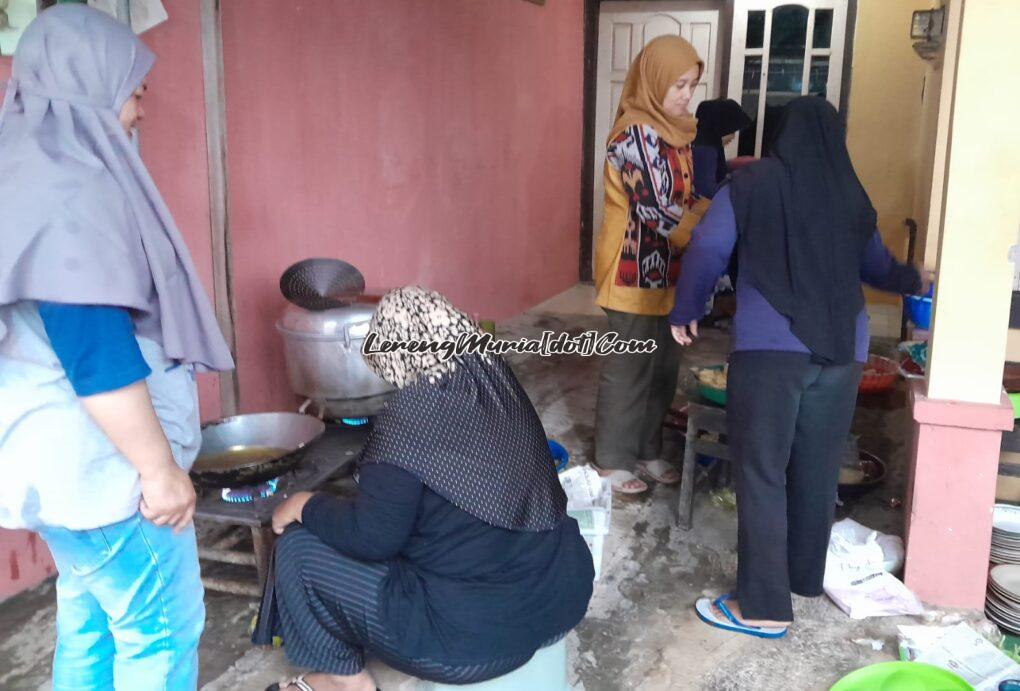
(464, 427)
(716, 119)
(804, 220)
(474, 438)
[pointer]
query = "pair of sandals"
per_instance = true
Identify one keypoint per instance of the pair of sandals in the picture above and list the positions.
(658, 471)
(297, 682)
(706, 608)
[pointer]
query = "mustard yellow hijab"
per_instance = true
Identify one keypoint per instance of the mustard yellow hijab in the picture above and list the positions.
(657, 67)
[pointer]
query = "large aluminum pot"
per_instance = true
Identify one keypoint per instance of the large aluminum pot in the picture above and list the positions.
(323, 353)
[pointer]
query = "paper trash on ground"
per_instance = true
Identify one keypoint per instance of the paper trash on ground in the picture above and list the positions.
(961, 650)
(589, 499)
(857, 574)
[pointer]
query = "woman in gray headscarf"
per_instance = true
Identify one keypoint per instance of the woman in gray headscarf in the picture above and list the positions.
(102, 324)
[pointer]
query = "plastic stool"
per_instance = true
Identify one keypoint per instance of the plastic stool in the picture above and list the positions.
(546, 671)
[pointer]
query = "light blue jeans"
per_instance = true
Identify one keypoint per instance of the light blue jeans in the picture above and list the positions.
(129, 607)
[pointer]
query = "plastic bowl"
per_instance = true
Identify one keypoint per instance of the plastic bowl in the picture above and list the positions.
(901, 676)
(919, 309)
(880, 375)
(710, 393)
(559, 455)
(873, 469)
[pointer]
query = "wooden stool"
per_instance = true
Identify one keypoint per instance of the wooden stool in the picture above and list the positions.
(701, 418)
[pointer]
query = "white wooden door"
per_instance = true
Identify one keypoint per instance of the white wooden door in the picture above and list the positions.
(624, 29)
(783, 49)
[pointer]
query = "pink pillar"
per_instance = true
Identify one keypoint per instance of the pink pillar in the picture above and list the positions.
(24, 562)
(950, 494)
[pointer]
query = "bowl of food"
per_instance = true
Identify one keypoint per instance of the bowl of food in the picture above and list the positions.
(880, 375)
(860, 474)
(712, 383)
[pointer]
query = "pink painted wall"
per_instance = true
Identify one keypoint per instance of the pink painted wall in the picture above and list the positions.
(174, 148)
(425, 142)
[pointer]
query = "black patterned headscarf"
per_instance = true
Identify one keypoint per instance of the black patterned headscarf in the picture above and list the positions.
(464, 427)
(415, 314)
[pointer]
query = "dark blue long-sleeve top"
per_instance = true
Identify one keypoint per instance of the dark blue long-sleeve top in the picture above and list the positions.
(458, 590)
(96, 346)
(757, 325)
(705, 162)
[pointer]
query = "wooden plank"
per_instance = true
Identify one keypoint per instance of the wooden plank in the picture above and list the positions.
(216, 146)
(710, 448)
(1011, 441)
(591, 47)
(1009, 469)
(231, 586)
(227, 556)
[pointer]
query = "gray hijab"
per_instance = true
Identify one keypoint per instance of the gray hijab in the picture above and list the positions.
(81, 220)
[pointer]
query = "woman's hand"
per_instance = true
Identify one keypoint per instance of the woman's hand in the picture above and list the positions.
(685, 335)
(290, 511)
(168, 497)
(127, 417)
(927, 280)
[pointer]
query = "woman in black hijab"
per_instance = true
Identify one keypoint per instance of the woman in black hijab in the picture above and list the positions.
(456, 561)
(718, 122)
(805, 233)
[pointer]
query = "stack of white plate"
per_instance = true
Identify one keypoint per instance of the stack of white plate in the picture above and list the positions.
(1002, 602)
(1006, 534)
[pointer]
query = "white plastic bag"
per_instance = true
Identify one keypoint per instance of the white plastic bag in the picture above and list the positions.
(857, 573)
(854, 547)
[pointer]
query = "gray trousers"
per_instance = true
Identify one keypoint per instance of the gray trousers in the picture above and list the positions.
(635, 392)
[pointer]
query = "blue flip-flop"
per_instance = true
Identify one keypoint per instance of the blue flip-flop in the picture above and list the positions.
(703, 608)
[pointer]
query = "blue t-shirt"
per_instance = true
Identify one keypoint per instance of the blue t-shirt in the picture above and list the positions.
(96, 345)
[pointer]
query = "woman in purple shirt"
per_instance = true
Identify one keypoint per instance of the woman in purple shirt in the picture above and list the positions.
(805, 236)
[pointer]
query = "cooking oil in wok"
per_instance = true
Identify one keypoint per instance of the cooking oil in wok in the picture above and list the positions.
(239, 457)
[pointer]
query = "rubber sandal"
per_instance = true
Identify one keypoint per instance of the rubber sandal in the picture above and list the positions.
(656, 470)
(703, 608)
(618, 478)
(297, 682)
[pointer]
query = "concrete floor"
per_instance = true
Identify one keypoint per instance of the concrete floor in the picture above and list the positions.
(640, 632)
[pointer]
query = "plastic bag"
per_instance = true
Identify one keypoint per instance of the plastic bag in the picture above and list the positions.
(857, 573)
(854, 547)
